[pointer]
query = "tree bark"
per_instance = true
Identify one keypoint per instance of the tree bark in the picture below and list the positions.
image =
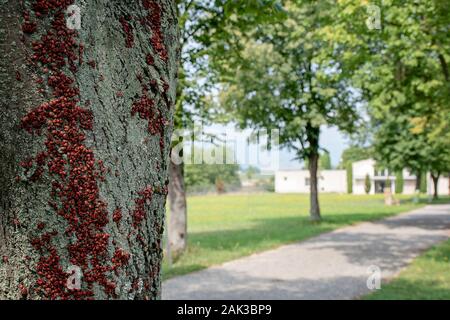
(314, 193)
(178, 212)
(436, 185)
(177, 233)
(86, 121)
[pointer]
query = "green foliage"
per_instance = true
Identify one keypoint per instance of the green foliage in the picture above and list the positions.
(204, 176)
(399, 182)
(288, 75)
(423, 183)
(251, 171)
(388, 185)
(209, 29)
(269, 185)
(367, 184)
(207, 177)
(427, 278)
(349, 169)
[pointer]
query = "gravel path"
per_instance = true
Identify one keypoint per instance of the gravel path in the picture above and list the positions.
(330, 266)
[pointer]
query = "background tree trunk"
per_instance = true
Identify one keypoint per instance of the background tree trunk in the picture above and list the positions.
(86, 121)
(436, 185)
(178, 212)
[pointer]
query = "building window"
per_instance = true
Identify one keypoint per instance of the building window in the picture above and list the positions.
(307, 181)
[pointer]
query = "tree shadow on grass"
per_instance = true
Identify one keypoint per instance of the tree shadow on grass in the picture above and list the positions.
(270, 233)
(403, 289)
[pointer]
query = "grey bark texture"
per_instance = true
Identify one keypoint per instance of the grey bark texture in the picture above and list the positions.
(178, 212)
(108, 82)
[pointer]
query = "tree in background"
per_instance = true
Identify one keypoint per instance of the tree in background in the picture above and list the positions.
(203, 177)
(220, 186)
(367, 184)
(207, 28)
(441, 133)
(403, 75)
(291, 77)
(86, 119)
(388, 187)
(349, 169)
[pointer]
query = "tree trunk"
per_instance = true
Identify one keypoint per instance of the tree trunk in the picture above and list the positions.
(313, 139)
(86, 121)
(314, 193)
(436, 185)
(178, 213)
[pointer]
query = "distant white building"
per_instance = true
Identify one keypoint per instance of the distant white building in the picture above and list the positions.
(298, 181)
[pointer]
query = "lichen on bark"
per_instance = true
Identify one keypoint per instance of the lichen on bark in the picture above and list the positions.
(36, 222)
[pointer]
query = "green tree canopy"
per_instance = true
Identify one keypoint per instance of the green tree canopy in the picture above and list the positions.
(290, 77)
(403, 76)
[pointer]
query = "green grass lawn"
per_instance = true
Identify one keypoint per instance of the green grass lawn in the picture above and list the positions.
(427, 278)
(226, 227)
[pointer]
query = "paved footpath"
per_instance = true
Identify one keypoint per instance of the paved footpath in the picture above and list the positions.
(333, 265)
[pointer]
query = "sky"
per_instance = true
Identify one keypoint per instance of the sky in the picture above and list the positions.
(331, 140)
